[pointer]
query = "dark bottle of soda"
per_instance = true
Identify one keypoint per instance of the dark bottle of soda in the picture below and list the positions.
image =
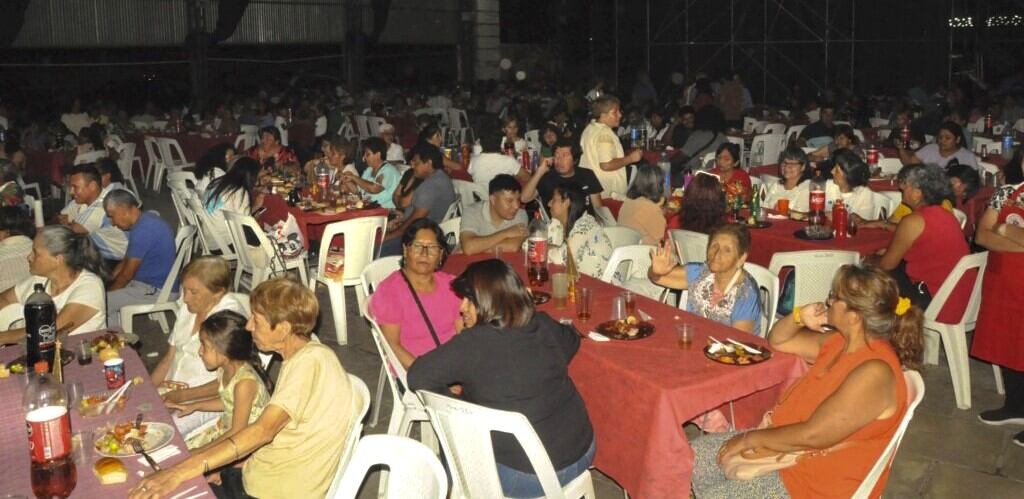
(53, 473)
(40, 326)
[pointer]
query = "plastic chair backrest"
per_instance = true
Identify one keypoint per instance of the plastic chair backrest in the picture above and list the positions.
(207, 226)
(814, 115)
(245, 141)
(775, 129)
(89, 157)
(362, 126)
(182, 255)
(977, 261)
(374, 123)
(182, 176)
(749, 124)
(915, 393)
(237, 225)
(126, 155)
(458, 118)
(961, 217)
(454, 210)
(814, 271)
(378, 270)
(886, 201)
(465, 433)
(469, 192)
(622, 236)
(361, 246)
(413, 469)
(878, 122)
(890, 166)
(152, 151)
(451, 229)
(768, 293)
(707, 160)
(360, 406)
(10, 314)
(766, 149)
(627, 261)
(793, 132)
(532, 139)
(172, 153)
(691, 246)
(607, 218)
(392, 366)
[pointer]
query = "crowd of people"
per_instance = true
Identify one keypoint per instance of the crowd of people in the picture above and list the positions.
(478, 335)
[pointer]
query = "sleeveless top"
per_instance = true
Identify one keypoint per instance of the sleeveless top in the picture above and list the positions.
(838, 473)
(227, 396)
(934, 253)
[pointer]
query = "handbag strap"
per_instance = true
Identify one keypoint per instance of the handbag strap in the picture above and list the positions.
(430, 325)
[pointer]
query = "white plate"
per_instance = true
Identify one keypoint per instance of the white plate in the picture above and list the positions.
(157, 436)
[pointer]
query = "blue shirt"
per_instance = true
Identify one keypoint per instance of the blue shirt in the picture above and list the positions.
(741, 303)
(387, 177)
(151, 241)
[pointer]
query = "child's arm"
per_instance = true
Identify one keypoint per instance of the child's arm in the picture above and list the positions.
(245, 395)
(208, 405)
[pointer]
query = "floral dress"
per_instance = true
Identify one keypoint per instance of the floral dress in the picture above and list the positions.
(590, 247)
(209, 433)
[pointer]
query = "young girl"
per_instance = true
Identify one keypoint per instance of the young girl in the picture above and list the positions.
(225, 346)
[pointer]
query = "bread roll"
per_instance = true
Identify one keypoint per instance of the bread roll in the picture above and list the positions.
(110, 470)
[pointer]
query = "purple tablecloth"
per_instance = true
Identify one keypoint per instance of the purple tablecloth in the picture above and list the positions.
(14, 456)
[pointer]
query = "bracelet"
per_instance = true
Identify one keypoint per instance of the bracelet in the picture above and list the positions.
(796, 316)
(234, 446)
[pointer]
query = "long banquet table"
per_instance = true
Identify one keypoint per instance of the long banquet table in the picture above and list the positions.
(639, 393)
(14, 459)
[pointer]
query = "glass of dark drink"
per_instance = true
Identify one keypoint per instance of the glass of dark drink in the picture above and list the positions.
(84, 354)
(583, 297)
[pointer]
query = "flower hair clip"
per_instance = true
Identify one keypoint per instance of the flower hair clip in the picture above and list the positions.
(902, 305)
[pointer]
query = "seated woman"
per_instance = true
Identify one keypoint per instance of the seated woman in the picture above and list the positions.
(849, 183)
(642, 210)
(213, 164)
(548, 136)
(270, 152)
(432, 135)
(69, 268)
(512, 358)
(510, 135)
(234, 192)
(928, 243)
(965, 183)
(293, 448)
(395, 304)
(16, 232)
(575, 230)
(337, 153)
(205, 283)
(949, 145)
(734, 180)
(793, 184)
(842, 413)
(719, 289)
(703, 208)
(843, 138)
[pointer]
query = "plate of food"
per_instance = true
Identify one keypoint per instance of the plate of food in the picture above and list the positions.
(630, 328)
(17, 366)
(92, 405)
(540, 297)
(736, 354)
(112, 339)
(114, 440)
(814, 233)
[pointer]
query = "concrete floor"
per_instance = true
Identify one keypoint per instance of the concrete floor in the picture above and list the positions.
(947, 452)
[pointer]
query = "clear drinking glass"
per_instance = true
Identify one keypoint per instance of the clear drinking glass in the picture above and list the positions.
(583, 298)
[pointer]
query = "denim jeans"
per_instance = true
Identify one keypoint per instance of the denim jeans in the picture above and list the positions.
(515, 483)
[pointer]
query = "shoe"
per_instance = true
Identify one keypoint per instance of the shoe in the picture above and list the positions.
(1018, 439)
(999, 417)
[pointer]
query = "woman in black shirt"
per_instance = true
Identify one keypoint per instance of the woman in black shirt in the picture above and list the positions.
(513, 358)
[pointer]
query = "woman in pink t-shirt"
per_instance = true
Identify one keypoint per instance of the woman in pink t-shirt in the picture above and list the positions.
(393, 306)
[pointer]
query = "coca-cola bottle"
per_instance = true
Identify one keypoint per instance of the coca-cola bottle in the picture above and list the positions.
(537, 252)
(816, 214)
(840, 220)
(988, 124)
(48, 422)
(40, 326)
(323, 182)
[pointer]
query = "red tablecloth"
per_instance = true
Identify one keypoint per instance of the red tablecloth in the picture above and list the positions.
(311, 224)
(638, 394)
(49, 164)
(779, 237)
(652, 157)
(14, 459)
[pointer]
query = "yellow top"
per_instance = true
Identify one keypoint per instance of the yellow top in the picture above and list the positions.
(903, 210)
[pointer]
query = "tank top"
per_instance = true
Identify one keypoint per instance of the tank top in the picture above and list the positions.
(838, 473)
(935, 252)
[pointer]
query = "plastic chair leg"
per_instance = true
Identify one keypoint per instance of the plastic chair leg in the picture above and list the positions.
(931, 347)
(955, 342)
(375, 412)
(160, 319)
(1000, 388)
(337, 295)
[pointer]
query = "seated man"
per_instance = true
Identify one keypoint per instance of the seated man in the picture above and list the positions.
(545, 179)
(497, 222)
(820, 132)
(379, 178)
(85, 214)
(491, 162)
(431, 198)
(138, 278)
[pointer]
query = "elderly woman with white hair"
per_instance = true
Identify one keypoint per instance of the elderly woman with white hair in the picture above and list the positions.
(395, 153)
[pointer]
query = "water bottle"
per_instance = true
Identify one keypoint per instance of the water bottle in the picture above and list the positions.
(1007, 151)
(40, 326)
(323, 181)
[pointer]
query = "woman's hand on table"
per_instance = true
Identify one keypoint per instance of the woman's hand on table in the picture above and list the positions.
(172, 397)
(157, 485)
(814, 316)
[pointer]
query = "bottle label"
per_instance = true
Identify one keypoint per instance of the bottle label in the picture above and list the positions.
(49, 433)
(47, 336)
(537, 250)
(817, 200)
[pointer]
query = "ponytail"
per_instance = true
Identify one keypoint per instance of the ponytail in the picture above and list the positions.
(78, 250)
(907, 337)
(226, 330)
(257, 365)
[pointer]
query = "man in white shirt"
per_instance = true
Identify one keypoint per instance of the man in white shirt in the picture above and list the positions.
(490, 163)
(602, 151)
(85, 214)
(395, 153)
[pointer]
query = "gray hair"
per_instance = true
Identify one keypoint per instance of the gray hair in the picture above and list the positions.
(77, 249)
(647, 182)
(931, 180)
(120, 197)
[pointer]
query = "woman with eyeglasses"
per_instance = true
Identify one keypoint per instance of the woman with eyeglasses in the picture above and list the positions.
(415, 306)
(840, 416)
(793, 184)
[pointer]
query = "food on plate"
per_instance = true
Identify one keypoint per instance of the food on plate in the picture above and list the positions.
(630, 326)
(17, 368)
(106, 341)
(91, 405)
(110, 470)
(729, 354)
(118, 436)
(108, 354)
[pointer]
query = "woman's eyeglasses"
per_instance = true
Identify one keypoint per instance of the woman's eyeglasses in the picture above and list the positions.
(425, 249)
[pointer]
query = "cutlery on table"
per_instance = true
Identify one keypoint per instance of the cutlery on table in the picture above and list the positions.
(744, 346)
(137, 447)
(111, 401)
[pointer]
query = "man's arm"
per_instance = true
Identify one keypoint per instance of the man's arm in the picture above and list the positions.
(124, 273)
(366, 185)
(529, 192)
(617, 163)
(417, 213)
(509, 239)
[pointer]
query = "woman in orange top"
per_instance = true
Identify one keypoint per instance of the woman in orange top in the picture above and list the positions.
(842, 413)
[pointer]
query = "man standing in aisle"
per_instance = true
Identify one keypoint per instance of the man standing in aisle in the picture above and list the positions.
(602, 151)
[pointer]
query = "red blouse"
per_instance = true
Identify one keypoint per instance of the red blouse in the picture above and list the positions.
(934, 253)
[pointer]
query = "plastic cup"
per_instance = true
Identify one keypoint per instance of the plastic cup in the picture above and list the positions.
(618, 308)
(75, 392)
(583, 297)
(630, 300)
(783, 207)
(113, 372)
(684, 335)
(560, 289)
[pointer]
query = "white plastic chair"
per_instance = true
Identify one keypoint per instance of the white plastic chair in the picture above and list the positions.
(413, 469)
(360, 405)
(125, 160)
(814, 115)
(458, 119)
(10, 315)
(960, 217)
(185, 215)
(768, 289)
(915, 394)
(406, 408)
(155, 162)
(622, 236)
(159, 125)
(765, 149)
(707, 161)
(775, 129)
(451, 229)
(360, 248)
(210, 235)
(750, 125)
(374, 123)
(532, 139)
(173, 159)
(183, 253)
(794, 132)
(244, 141)
(989, 173)
(627, 261)
(89, 157)
(375, 272)
(469, 193)
(954, 336)
(29, 186)
(814, 271)
(887, 201)
(890, 166)
(259, 261)
(465, 433)
(362, 126)
(606, 216)
(878, 122)
(691, 246)
(185, 178)
(991, 146)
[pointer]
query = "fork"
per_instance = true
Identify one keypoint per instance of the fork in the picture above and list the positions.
(137, 446)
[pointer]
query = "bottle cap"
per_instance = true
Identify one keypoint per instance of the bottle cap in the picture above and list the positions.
(41, 366)
(39, 287)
